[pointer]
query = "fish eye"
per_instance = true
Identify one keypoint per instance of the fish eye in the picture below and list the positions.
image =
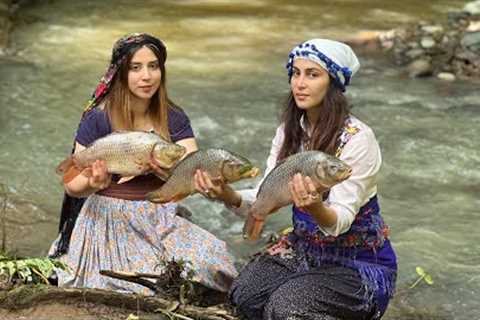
(334, 167)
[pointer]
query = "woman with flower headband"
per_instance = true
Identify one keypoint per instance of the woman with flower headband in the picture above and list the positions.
(117, 229)
(337, 263)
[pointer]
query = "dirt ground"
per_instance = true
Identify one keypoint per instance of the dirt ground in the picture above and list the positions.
(79, 311)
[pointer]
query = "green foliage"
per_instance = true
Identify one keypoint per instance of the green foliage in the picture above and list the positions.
(28, 270)
(422, 276)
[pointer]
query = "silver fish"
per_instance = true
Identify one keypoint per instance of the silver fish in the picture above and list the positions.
(126, 153)
(324, 170)
(218, 163)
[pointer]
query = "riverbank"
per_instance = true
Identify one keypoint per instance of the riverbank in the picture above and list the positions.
(447, 48)
(5, 24)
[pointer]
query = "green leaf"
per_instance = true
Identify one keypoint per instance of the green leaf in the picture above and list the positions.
(428, 279)
(420, 271)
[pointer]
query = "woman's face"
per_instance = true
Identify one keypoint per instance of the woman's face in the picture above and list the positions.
(309, 83)
(144, 74)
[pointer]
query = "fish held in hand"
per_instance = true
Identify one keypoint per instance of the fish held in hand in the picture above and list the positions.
(324, 170)
(126, 153)
(220, 164)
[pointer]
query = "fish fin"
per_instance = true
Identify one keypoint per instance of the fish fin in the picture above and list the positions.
(71, 174)
(155, 197)
(125, 179)
(65, 165)
(253, 227)
(162, 175)
(179, 197)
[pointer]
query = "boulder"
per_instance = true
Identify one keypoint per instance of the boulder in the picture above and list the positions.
(420, 68)
(446, 76)
(471, 40)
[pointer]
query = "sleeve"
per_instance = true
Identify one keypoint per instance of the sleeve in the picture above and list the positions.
(94, 125)
(362, 153)
(249, 195)
(179, 125)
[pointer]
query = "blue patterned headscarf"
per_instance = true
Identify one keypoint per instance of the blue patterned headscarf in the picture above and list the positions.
(337, 58)
(119, 54)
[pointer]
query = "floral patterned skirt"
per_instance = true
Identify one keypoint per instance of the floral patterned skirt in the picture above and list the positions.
(137, 236)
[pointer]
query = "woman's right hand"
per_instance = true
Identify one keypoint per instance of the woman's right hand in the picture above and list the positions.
(203, 184)
(98, 176)
(215, 189)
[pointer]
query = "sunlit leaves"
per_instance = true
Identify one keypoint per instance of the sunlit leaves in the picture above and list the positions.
(29, 270)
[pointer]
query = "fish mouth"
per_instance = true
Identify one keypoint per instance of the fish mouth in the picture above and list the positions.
(250, 172)
(346, 174)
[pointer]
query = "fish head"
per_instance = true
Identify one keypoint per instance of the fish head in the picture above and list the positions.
(331, 171)
(235, 169)
(168, 155)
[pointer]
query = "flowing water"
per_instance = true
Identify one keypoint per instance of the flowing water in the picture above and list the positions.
(226, 68)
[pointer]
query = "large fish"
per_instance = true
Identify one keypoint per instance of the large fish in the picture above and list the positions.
(218, 163)
(324, 170)
(126, 153)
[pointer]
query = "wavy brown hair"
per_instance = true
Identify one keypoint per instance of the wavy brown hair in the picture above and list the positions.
(117, 103)
(335, 110)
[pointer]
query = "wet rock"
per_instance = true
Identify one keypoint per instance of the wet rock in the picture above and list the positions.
(472, 41)
(473, 26)
(427, 42)
(446, 76)
(432, 29)
(414, 53)
(452, 47)
(420, 68)
(472, 8)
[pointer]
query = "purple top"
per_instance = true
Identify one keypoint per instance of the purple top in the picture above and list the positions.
(95, 124)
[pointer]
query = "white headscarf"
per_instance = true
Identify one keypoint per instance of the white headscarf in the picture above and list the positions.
(337, 58)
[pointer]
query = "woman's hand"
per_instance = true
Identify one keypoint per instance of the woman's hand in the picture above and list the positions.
(98, 176)
(215, 189)
(206, 186)
(303, 191)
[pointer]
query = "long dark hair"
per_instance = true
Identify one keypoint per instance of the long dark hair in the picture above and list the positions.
(334, 111)
(118, 99)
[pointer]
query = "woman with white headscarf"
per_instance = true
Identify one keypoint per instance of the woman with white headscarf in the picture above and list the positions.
(337, 263)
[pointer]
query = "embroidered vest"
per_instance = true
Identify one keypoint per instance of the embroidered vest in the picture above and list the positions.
(368, 230)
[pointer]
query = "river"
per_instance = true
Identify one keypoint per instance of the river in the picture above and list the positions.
(226, 69)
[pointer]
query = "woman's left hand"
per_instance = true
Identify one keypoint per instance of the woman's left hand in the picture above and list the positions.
(303, 191)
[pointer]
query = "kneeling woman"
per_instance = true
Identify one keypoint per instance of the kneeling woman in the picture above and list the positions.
(117, 229)
(337, 263)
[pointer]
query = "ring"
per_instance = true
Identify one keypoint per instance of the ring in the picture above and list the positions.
(207, 192)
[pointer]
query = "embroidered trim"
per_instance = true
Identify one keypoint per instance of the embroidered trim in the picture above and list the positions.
(347, 133)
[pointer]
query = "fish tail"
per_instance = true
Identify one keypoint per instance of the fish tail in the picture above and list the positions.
(253, 226)
(68, 169)
(71, 173)
(65, 165)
